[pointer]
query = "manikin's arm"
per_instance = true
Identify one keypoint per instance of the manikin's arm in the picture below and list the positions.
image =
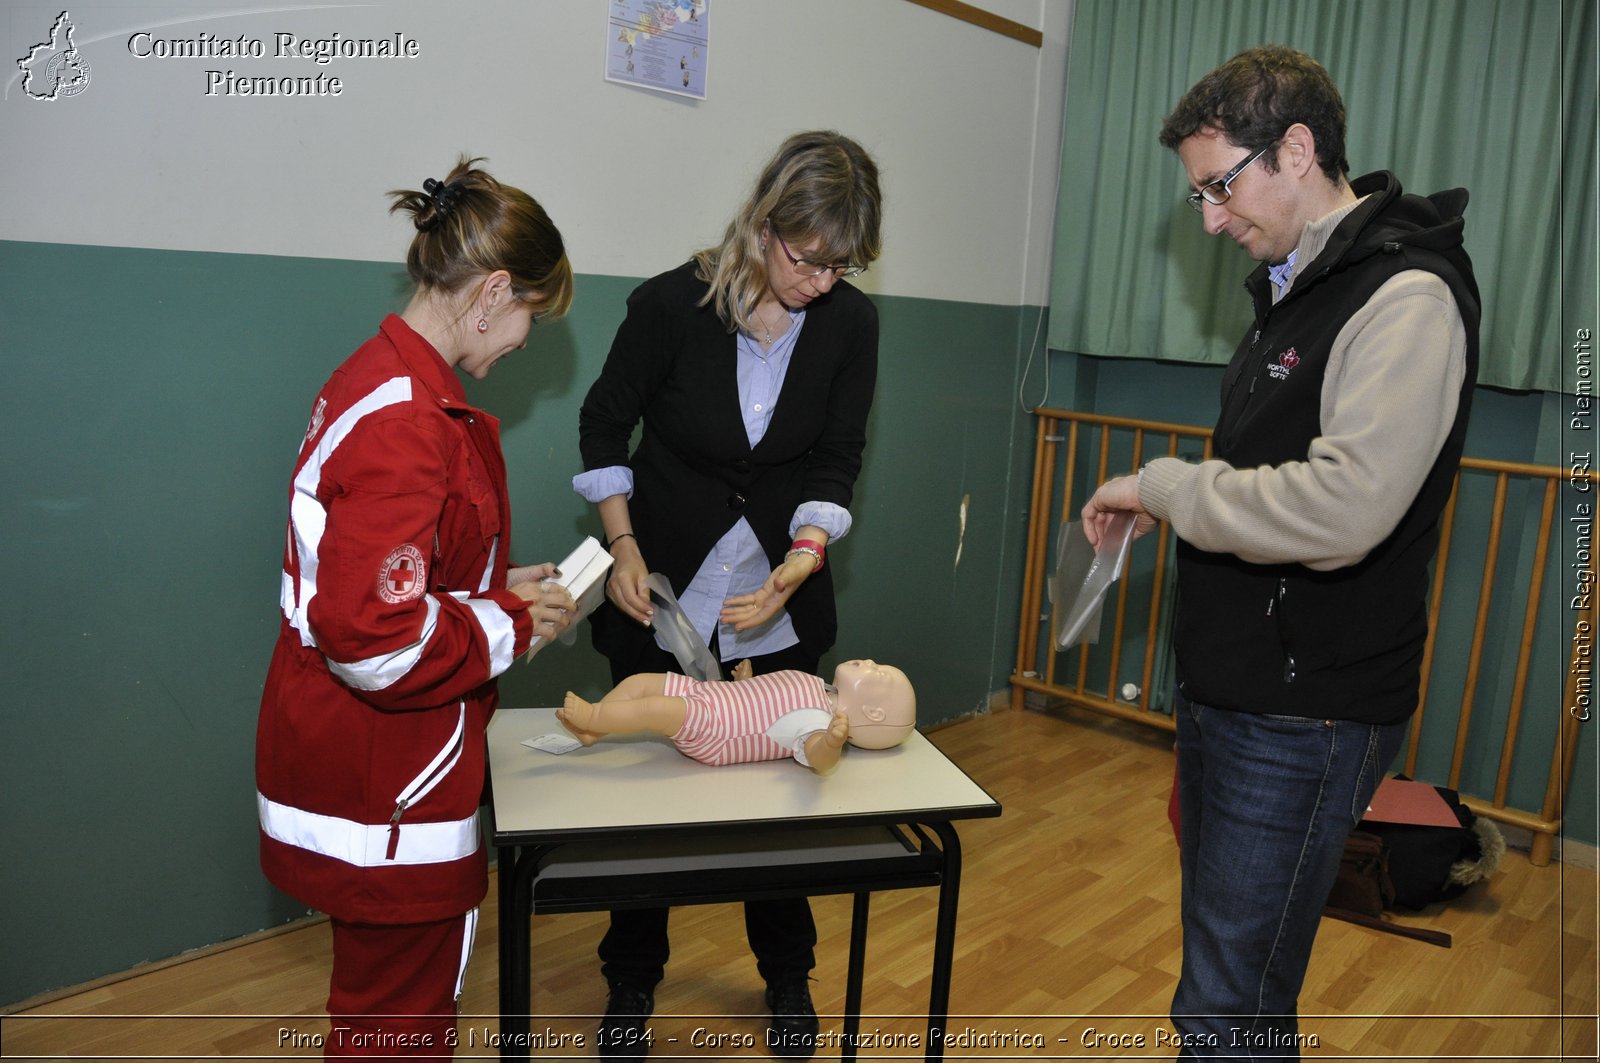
(635, 704)
(824, 747)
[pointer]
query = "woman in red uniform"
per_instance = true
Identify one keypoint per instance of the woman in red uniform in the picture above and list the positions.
(399, 610)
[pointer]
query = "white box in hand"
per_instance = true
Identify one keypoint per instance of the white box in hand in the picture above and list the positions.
(583, 574)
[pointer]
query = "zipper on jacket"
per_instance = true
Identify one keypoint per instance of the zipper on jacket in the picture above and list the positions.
(430, 777)
(1257, 367)
(1276, 606)
(394, 829)
(1249, 360)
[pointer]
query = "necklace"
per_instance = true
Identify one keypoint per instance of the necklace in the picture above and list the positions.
(766, 330)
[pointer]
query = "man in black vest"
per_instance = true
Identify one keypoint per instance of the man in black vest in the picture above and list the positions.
(1304, 543)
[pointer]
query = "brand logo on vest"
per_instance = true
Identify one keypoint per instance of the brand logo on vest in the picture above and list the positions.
(1286, 362)
(404, 575)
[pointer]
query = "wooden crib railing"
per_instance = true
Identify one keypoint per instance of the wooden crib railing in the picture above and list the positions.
(1491, 708)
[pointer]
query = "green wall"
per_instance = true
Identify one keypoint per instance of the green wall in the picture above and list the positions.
(153, 404)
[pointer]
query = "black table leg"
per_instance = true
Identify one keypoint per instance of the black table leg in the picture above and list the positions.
(852, 983)
(517, 869)
(944, 940)
(506, 860)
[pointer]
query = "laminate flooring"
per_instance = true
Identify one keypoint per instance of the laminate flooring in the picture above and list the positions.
(1067, 947)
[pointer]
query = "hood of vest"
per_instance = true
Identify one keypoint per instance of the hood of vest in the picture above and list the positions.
(1389, 221)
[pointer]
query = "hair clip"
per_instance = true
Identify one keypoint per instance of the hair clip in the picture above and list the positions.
(444, 197)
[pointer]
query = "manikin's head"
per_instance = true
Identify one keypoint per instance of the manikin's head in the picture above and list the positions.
(879, 701)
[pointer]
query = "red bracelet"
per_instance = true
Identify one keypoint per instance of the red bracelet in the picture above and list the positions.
(812, 547)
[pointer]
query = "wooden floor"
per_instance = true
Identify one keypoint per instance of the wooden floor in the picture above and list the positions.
(1067, 948)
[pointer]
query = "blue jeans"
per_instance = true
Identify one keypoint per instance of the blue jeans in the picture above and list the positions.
(1266, 803)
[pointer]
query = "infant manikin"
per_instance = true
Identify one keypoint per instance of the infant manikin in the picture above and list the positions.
(764, 717)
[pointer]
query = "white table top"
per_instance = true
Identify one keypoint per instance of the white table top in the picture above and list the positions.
(642, 783)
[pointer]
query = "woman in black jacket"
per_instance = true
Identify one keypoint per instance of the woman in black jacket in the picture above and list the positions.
(751, 368)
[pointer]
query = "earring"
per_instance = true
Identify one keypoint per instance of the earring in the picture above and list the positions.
(483, 324)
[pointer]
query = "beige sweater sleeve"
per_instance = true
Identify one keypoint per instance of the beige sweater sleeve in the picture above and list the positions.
(1388, 401)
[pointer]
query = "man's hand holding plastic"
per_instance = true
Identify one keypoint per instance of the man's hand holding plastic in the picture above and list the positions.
(1114, 496)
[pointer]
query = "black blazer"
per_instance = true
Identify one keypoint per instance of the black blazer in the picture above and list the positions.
(672, 365)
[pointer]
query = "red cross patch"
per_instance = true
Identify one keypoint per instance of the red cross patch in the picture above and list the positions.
(404, 575)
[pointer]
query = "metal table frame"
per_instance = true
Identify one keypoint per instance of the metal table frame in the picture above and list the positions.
(882, 821)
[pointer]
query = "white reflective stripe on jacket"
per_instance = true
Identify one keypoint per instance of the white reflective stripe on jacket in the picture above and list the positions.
(307, 517)
(386, 669)
(374, 844)
(367, 844)
(499, 631)
(308, 521)
(377, 673)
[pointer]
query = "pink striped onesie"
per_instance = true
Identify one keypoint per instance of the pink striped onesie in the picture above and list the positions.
(765, 717)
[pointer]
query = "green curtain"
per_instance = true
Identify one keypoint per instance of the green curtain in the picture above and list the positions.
(1580, 182)
(1494, 95)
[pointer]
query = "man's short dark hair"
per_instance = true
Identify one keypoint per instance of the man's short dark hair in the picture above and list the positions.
(1254, 98)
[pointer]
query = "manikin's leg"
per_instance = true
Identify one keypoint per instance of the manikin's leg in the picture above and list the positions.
(638, 685)
(824, 747)
(635, 704)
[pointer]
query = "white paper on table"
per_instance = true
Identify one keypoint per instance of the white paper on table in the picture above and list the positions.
(1084, 575)
(553, 743)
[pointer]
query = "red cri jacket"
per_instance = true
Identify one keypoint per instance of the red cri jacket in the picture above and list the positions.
(396, 621)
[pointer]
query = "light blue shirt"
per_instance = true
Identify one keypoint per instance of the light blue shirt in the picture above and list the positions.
(737, 564)
(1282, 274)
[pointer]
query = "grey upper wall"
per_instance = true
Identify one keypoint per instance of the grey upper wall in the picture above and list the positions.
(965, 125)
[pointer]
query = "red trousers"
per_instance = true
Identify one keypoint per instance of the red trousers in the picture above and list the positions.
(394, 989)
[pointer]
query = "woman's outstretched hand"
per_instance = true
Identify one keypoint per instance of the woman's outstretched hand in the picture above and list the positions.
(745, 611)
